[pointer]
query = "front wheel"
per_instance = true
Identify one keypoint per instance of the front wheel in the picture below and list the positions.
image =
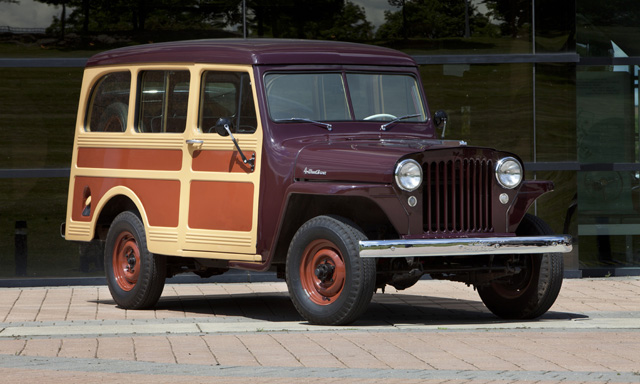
(328, 282)
(135, 276)
(530, 293)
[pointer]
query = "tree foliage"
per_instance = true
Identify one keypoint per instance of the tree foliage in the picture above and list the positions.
(512, 14)
(350, 24)
(431, 19)
(448, 18)
(313, 19)
(140, 15)
(611, 12)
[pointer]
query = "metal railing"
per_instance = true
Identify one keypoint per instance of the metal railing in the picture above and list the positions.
(7, 29)
(420, 59)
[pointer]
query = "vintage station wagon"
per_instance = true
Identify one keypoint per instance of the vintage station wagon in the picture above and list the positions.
(318, 160)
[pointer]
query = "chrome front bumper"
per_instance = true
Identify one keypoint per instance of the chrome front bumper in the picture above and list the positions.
(465, 246)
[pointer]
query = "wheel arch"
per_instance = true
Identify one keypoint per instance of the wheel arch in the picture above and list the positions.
(300, 208)
(114, 202)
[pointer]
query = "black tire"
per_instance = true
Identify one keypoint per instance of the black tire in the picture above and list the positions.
(533, 291)
(134, 275)
(328, 282)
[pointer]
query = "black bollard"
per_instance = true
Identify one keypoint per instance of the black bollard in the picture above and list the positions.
(21, 248)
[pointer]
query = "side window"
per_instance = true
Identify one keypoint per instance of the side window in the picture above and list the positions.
(109, 103)
(163, 97)
(227, 97)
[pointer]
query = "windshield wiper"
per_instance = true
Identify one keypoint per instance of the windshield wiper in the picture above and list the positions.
(383, 127)
(320, 123)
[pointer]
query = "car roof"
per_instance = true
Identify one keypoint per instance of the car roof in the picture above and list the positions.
(254, 52)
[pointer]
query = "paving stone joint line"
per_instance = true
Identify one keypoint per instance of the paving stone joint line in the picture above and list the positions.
(103, 366)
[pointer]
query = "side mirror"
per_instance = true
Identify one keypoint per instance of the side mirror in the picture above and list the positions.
(223, 128)
(220, 126)
(440, 120)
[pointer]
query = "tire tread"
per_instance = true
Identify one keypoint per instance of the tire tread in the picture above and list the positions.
(532, 304)
(151, 280)
(362, 273)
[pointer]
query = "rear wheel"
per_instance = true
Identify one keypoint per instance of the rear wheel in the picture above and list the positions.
(328, 281)
(134, 275)
(530, 293)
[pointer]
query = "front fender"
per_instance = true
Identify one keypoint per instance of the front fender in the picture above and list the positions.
(527, 194)
(315, 194)
(384, 196)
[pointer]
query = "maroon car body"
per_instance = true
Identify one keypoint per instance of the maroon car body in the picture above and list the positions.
(339, 211)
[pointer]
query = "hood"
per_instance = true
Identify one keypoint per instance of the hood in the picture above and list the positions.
(360, 160)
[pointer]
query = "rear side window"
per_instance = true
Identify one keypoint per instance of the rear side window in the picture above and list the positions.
(162, 101)
(109, 103)
(227, 98)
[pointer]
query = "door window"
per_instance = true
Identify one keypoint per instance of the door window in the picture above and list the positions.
(163, 98)
(226, 97)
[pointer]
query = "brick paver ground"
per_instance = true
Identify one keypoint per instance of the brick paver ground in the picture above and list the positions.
(433, 332)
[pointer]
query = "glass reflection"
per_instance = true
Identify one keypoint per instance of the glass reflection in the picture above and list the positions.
(608, 195)
(555, 26)
(604, 27)
(555, 89)
(457, 27)
(488, 105)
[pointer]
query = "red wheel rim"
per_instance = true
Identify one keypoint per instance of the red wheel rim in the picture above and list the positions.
(126, 261)
(322, 272)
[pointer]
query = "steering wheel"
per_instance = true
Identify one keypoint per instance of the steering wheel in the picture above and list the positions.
(380, 116)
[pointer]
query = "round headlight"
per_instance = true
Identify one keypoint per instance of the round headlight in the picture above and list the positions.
(408, 175)
(509, 172)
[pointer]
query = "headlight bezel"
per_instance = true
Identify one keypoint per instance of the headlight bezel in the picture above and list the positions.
(506, 169)
(401, 175)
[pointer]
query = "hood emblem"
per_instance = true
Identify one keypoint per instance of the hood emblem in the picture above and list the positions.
(308, 171)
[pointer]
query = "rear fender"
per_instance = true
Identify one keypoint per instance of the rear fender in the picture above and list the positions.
(99, 217)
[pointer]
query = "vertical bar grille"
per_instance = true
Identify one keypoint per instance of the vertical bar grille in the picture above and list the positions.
(457, 196)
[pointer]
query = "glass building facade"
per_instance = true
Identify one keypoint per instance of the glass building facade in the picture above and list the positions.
(553, 81)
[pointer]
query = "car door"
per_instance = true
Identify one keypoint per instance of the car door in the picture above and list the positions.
(219, 211)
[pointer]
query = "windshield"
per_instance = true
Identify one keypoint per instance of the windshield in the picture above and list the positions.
(325, 97)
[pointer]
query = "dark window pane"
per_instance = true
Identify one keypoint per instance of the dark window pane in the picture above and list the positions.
(39, 107)
(488, 105)
(41, 203)
(608, 28)
(108, 109)
(555, 26)
(608, 197)
(227, 95)
(555, 112)
(162, 101)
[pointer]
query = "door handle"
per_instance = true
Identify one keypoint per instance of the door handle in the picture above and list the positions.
(194, 142)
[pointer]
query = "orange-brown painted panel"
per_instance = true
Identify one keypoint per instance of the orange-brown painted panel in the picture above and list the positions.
(160, 198)
(220, 161)
(130, 158)
(221, 205)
